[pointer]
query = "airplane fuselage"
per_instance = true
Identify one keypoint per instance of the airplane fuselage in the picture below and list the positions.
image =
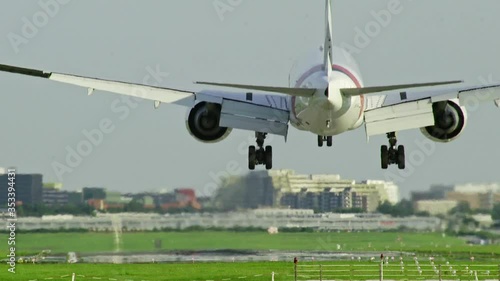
(328, 113)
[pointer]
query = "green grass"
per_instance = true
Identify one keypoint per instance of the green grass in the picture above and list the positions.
(259, 271)
(213, 240)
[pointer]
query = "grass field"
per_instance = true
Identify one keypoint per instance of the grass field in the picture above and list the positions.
(216, 240)
(260, 271)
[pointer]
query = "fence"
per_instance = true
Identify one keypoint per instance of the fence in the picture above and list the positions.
(396, 271)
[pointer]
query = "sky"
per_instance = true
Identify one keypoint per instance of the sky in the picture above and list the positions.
(238, 41)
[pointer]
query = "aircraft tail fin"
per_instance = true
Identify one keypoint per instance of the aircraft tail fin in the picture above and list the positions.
(328, 47)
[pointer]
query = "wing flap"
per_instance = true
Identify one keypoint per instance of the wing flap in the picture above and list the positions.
(399, 117)
(246, 116)
(254, 111)
(252, 124)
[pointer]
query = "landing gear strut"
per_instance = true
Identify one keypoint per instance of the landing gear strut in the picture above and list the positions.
(392, 154)
(322, 139)
(259, 155)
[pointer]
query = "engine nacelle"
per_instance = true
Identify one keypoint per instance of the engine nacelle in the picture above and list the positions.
(450, 120)
(203, 123)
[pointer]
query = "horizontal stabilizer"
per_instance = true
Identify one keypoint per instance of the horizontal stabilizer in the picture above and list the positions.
(497, 102)
(372, 90)
(298, 92)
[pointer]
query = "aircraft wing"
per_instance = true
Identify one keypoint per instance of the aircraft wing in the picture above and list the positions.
(412, 108)
(266, 113)
(157, 94)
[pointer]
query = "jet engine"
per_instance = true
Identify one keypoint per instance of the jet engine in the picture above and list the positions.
(203, 123)
(450, 120)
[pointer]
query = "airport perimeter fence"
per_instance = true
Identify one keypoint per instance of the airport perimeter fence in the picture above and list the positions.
(396, 271)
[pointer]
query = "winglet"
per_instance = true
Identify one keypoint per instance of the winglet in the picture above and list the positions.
(497, 102)
(24, 71)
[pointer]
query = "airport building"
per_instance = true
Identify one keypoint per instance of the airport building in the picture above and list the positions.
(54, 195)
(29, 188)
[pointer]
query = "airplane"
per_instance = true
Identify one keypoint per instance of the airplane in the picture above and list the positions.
(327, 99)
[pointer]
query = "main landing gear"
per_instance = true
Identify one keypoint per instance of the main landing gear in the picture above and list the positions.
(392, 154)
(259, 155)
(328, 140)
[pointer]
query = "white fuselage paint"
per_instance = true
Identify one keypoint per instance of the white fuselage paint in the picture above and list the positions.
(332, 115)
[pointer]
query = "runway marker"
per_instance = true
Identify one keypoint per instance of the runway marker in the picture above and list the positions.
(257, 275)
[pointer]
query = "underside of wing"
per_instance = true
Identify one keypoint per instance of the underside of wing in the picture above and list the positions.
(252, 117)
(414, 109)
(399, 117)
(235, 110)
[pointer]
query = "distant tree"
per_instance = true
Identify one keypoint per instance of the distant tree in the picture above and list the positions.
(462, 208)
(481, 211)
(43, 210)
(386, 208)
(495, 213)
(134, 206)
(404, 208)
(401, 209)
(423, 214)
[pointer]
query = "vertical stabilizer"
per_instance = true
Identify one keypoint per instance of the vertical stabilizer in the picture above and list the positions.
(328, 48)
